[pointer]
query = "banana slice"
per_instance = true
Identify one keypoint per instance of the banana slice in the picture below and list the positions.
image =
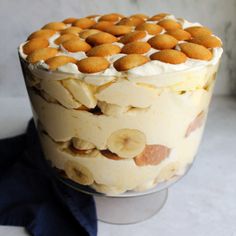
(78, 173)
(82, 144)
(81, 92)
(48, 97)
(127, 143)
(168, 172)
(56, 90)
(112, 109)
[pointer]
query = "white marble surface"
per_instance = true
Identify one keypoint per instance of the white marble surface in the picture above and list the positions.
(19, 18)
(201, 204)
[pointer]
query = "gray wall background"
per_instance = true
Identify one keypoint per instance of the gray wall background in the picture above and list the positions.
(20, 17)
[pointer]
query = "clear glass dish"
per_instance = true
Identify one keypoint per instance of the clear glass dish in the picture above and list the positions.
(124, 139)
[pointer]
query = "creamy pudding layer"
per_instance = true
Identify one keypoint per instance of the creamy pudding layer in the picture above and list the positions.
(121, 102)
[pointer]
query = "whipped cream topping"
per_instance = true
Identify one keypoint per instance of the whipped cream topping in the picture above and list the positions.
(150, 68)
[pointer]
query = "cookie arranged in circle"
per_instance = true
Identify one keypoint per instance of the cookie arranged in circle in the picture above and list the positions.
(64, 38)
(102, 25)
(163, 41)
(71, 30)
(179, 34)
(130, 61)
(34, 44)
(169, 56)
(85, 33)
(57, 61)
(207, 40)
(152, 29)
(84, 23)
(113, 17)
(92, 65)
(76, 45)
(103, 50)
(196, 31)
(136, 48)
(43, 33)
(196, 51)
(169, 24)
(41, 54)
(100, 38)
(132, 36)
(158, 17)
(55, 26)
(119, 30)
(131, 21)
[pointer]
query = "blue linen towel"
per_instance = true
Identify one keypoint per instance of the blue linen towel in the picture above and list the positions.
(32, 197)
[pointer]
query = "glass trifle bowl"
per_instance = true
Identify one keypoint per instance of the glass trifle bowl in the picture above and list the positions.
(120, 110)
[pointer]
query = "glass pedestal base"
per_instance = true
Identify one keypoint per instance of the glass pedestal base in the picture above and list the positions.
(128, 210)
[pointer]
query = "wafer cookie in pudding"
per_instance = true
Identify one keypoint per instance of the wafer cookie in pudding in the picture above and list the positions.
(121, 101)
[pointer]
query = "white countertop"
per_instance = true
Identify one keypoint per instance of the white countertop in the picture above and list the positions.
(202, 203)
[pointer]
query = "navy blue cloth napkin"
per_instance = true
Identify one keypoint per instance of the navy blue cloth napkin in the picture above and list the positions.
(31, 196)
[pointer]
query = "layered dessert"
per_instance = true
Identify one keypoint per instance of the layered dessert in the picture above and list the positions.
(120, 102)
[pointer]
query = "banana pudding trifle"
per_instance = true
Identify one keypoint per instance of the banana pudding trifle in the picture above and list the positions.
(120, 102)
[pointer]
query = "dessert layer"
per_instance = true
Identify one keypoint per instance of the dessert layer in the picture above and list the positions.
(133, 45)
(104, 174)
(170, 115)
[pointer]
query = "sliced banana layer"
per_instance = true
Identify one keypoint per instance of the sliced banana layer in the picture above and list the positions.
(112, 109)
(168, 172)
(170, 120)
(80, 174)
(127, 143)
(82, 144)
(56, 90)
(112, 175)
(82, 92)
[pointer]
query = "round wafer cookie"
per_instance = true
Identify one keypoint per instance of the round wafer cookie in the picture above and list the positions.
(84, 23)
(43, 33)
(196, 31)
(152, 29)
(92, 64)
(111, 17)
(131, 21)
(163, 41)
(41, 54)
(132, 36)
(207, 40)
(57, 61)
(196, 51)
(76, 45)
(158, 17)
(35, 44)
(119, 30)
(136, 48)
(103, 50)
(85, 33)
(70, 20)
(64, 38)
(102, 25)
(55, 26)
(100, 38)
(169, 56)
(71, 30)
(169, 24)
(179, 34)
(130, 61)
